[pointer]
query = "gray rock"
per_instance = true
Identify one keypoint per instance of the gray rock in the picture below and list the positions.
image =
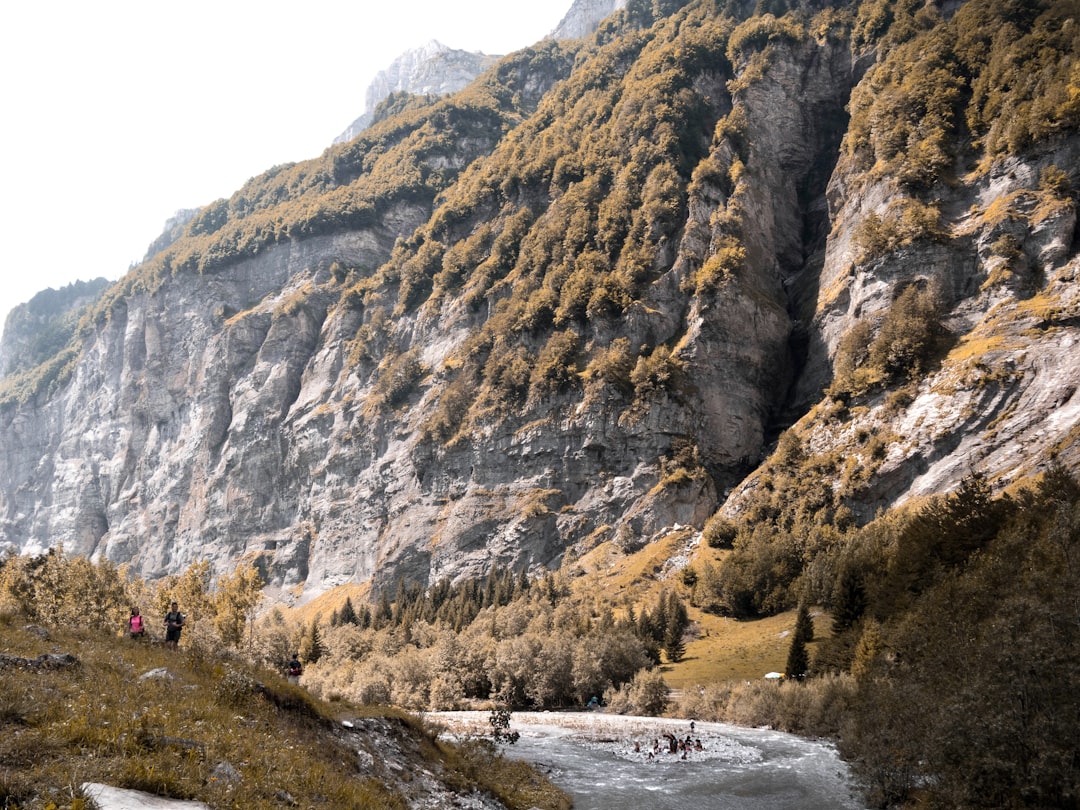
(225, 772)
(111, 798)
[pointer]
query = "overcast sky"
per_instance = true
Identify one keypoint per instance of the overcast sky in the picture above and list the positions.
(118, 113)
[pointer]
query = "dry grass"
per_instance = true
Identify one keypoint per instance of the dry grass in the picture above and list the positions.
(102, 721)
(326, 603)
(728, 650)
(167, 733)
(722, 649)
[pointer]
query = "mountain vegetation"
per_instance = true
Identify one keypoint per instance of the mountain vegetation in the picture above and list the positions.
(732, 311)
(214, 721)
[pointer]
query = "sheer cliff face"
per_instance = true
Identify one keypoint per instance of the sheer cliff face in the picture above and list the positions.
(434, 69)
(252, 411)
(584, 16)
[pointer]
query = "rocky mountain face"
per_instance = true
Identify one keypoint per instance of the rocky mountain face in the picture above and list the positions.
(433, 69)
(436, 69)
(584, 16)
(583, 317)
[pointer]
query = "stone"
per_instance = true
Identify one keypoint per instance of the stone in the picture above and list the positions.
(111, 798)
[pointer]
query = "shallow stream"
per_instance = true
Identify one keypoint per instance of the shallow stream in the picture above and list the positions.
(592, 757)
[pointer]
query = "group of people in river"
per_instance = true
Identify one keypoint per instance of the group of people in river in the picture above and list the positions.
(672, 745)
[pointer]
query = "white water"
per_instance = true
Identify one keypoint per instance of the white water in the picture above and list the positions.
(592, 757)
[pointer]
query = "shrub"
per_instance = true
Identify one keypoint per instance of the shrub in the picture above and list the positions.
(909, 336)
(758, 31)
(905, 222)
(659, 372)
(398, 379)
(719, 532)
(647, 694)
(720, 267)
(556, 365)
(612, 366)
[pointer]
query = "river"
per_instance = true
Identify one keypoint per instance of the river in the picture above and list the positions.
(592, 757)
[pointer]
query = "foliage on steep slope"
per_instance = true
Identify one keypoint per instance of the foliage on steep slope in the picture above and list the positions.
(84, 703)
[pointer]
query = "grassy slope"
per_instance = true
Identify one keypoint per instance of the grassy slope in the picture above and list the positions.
(98, 722)
(730, 650)
(717, 648)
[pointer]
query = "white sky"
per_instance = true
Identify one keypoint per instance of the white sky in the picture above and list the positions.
(118, 113)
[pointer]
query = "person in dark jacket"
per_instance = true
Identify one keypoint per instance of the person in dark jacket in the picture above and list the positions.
(174, 623)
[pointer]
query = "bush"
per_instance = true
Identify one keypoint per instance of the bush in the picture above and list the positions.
(398, 380)
(646, 695)
(556, 366)
(719, 532)
(904, 222)
(909, 336)
(813, 707)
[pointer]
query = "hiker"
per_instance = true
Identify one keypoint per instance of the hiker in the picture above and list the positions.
(135, 624)
(174, 623)
(293, 670)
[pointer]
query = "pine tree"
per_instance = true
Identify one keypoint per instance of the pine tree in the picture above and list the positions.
(673, 643)
(348, 613)
(311, 647)
(804, 625)
(849, 600)
(383, 613)
(798, 660)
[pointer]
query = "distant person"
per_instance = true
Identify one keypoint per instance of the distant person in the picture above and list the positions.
(294, 669)
(135, 624)
(174, 623)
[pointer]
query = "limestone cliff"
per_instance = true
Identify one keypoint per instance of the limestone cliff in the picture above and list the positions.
(432, 69)
(584, 16)
(574, 303)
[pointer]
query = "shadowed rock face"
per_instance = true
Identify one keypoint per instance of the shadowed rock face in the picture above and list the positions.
(237, 413)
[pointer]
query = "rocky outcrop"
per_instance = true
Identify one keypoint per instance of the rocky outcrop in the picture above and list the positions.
(437, 69)
(584, 16)
(433, 69)
(42, 662)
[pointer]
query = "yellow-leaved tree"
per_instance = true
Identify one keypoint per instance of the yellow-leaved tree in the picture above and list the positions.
(235, 601)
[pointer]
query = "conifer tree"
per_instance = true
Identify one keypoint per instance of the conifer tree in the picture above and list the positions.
(804, 625)
(383, 613)
(849, 600)
(798, 660)
(311, 646)
(348, 613)
(673, 643)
